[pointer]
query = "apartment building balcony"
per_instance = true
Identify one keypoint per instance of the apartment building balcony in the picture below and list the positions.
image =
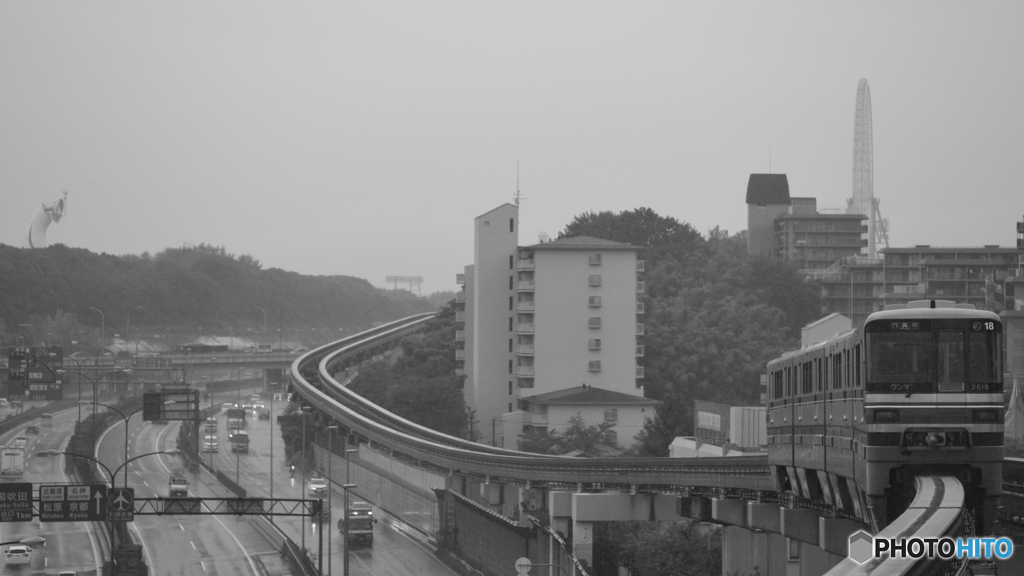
(526, 382)
(534, 419)
(525, 350)
(524, 328)
(640, 287)
(526, 286)
(639, 307)
(525, 264)
(460, 296)
(460, 315)
(460, 354)
(460, 278)
(526, 306)
(460, 335)
(639, 329)
(639, 371)
(639, 351)
(640, 265)
(460, 371)
(524, 371)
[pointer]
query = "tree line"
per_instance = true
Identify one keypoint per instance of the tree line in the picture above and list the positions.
(180, 290)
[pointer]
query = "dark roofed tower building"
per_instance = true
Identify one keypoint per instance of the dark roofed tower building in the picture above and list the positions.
(767, 200)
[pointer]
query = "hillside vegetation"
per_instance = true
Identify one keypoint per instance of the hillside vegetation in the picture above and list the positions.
(714, 315)
(201, 288)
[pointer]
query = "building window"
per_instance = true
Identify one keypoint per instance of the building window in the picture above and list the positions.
(611, 415)
(509, 366)
(509, 406)
(612, 437)
(595, 259)
(487, 222)
(595, 301)
(509, 389)
(509, 324)
(509, 282)
(595, 279)
(509, 344)
(510, 263)
(511, 228)
(595, 322)
(594, 365)
(510, 302)
(595, 344)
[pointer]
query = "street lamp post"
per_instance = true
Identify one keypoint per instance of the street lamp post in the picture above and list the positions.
(305, 410)
(346, 487)
(171, 452)
(264, 323)
(93, 382)
(330, 489)
(103, 326)
(128, 330)
(126, 418)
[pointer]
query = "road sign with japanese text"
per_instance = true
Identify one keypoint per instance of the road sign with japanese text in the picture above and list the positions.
(72, 503)
(122, 505)
(16, 502)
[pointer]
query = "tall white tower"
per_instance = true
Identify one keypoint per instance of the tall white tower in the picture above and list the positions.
(35, 237)
(862, 201)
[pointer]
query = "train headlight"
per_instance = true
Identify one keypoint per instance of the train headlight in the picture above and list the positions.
(984, 415)
(887, 415)
(954, 438)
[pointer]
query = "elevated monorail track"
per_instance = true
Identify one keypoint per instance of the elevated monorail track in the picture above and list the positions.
(937, 511)
(313, 378)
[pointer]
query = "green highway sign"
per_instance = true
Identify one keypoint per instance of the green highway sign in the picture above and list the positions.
(72, 503)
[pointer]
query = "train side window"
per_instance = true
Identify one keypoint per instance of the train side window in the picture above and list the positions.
(951, 360)
(820, 374)
(857, 383)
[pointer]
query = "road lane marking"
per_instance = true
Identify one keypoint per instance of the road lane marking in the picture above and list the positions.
(248, 557)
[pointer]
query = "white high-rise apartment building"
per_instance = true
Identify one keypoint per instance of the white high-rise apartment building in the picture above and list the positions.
(551, 330)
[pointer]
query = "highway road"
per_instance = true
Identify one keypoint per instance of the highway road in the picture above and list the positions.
(393, 552)
(184, 544)
(69, 545)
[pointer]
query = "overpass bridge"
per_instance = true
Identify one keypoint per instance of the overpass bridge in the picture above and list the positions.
(572, 493)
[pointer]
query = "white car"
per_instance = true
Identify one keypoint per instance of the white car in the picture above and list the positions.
(259, 405)
(228, 406)
(3, 403)
(318, 486)
(20, 441)
(19, 555)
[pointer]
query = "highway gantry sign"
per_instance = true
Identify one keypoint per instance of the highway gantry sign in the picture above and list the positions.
(122, 505)
(16, 502)
(72, 503)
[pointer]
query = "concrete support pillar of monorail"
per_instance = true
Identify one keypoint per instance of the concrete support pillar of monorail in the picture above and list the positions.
(764, 516)
(729, 512)
(560, 511)
(834, 535)
(800, 524)
(744, 551)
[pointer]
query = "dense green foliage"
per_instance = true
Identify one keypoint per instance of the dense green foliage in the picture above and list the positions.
(422, 385)
(578, 439)
(714, 315)
(657, 549)
(200, 288)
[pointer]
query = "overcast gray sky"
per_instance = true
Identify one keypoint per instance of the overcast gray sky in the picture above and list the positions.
(362, 138)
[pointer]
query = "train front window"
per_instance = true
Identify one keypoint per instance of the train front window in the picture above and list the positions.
(951, 360)
(984, 356)
(899, 357)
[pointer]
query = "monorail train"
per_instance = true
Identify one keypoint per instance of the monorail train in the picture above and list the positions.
(918, 389)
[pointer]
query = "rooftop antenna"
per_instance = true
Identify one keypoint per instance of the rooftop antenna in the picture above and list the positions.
(519, 195)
